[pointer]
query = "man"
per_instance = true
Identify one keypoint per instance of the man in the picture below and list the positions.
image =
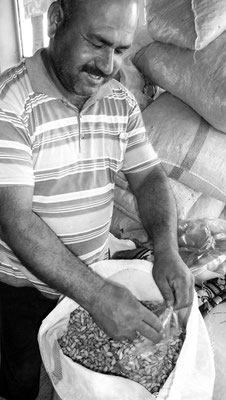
(66, 129)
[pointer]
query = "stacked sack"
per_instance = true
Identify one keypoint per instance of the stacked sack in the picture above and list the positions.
(190, 24)
(186, 58)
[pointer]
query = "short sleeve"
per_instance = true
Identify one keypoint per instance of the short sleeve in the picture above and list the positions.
(139, 154)
(16, 166)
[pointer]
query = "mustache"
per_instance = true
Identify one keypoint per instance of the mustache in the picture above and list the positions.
(96, 71)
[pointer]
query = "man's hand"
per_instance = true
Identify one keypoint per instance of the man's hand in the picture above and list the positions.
(158, 213)
(121, 315)
(174, 279)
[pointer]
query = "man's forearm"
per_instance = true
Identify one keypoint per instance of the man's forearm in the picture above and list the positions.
(159, 216)
(48, 258)
(158, 210)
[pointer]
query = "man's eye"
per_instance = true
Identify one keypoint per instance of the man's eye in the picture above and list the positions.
(120, 52)
(98, 46)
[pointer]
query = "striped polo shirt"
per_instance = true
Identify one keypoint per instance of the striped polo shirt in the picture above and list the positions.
(70, 157)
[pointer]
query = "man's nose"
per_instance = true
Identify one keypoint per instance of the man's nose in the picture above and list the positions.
(105, 63)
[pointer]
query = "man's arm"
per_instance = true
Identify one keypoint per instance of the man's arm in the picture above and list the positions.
(113, 307)
(159, 216)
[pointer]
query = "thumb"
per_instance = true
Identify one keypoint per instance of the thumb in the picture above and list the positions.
(167, 292)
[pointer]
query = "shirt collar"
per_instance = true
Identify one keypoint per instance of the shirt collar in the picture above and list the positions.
(42, 83)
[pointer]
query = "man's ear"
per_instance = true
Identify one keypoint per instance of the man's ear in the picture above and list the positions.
(55, 18)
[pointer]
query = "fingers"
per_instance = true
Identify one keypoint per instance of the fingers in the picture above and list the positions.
(120, 314)
(175, 282)
(179, 294)
(167, 292)
(150, 333)
(184, 293)
(150, 319)
(131, 335)
(149, 327)
(141, 320)
(183, 300)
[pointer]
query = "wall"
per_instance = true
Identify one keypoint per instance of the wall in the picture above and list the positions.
(9, 44)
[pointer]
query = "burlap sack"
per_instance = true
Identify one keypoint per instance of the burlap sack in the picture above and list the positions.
(191, 24)
(191, 204)
(130, 77)
(197, 78)
(126, 222)
(192, 152)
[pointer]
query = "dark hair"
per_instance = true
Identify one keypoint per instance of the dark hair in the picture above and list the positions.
(69, 8)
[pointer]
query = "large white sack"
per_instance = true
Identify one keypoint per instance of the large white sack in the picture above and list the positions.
(191, 24)
(191, 204)
(205, 207)
(131, 77)
(126, 222)
(135, 82)
(191, 379)
(197, 78)
(216, 326)
(191, 151)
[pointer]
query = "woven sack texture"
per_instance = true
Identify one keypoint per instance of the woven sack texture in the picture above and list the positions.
(191, 24)
(72, 381)
(191, 150)
(197, 78)
(126, 222)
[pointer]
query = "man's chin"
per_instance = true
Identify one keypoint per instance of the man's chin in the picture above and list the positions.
(89, 90)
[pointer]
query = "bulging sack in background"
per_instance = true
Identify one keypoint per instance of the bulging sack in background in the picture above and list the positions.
(197, 78)
(143, 90)
(133, 80)
(192, 378)
(126, 222)
(206, 207)
(191, 24)
(191, 150)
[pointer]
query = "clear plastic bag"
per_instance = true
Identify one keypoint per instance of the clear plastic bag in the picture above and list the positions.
(150, 364)
(202, 246)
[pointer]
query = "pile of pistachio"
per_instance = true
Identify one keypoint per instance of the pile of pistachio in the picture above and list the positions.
(85, 343)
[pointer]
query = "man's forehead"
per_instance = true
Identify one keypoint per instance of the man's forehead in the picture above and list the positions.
(116, 14)
(97, 7)
(94, 3)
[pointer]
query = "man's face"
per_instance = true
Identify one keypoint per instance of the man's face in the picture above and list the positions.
(89, 51)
